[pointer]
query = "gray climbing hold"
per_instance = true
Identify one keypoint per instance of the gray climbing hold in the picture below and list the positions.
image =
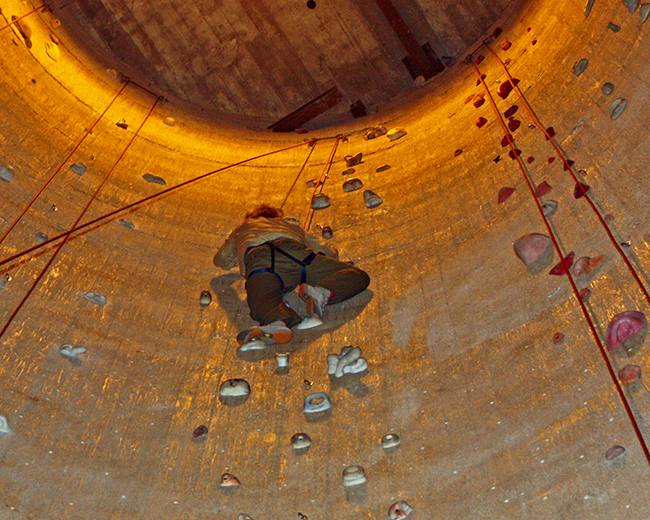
(97, 298)
(40, 237)
(395, 133)
(613, 27)
(234, 388)
(126, 223)
(607, 88)
(6, 174)
(311, 183)
(580, 66)
(352, 185)
(300, 441)
(353, 160)
(390, 441)
(349, 171)
(549, 208)
(617, 107)
(590, 4)
(4, 426)
(154, 178)
(644, 12)
(71, 353)
(318, 402)
(372, 199)
(383, 168)
(78, 168)
(2, 284)
(320, 201)
(631, 5)
(354, 476)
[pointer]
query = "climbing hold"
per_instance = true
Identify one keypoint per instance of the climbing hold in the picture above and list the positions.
(320, 201)
(229, 480)
(282, 359)
(354, 476)
(580, 66)
(479, 59)
(627, 243)
(458, 152)
(504, 194)
(479, 81)
(70, 352)
(205, 299)
(244, 516)
(318, 402)
(497, 32)
(631, 5)
(608, 88)
(481, 122)
(126, 223)
(542, 189)
(97, 298)
(506, 139)
(327, 232)
(580, 190)
(234, 388)
(372, 199)
(52, 50)
(608, 218)
(395, 133)
(78, 168)
(154, 178)
(617, 107)
(470, 98)
(586, 265)
(383, 168)
(558, 337)
(349, 361)
(506, 87)
(563, 267)
(549, 208)
(530, 160)
(400, 510)
(300, 441)
(353, 160)
(585, 293)
(478, 100)
(614, 452)
(390, 441)
(352, 185)
(613, 27)
(348, 171)
(6, 174)
(644, 12)
(514, 153)
(169, 121)
(306, 384)
(311, 183)
(622, 326)
(122, 124)
(496, 159)
(505, 45)
(531, 247)
(566, 166)
(590, 4)
(200, 432)
(374, 132)
(4, 426)
(551, 159)
(513, 124)
(551, 132)
(40, 237)
(629, 374)
(55, 23)
(510, 112)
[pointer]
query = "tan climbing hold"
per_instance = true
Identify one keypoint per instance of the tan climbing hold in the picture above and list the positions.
(52, 50)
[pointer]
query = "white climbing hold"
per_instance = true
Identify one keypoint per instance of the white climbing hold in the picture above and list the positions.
(372, 199)
(300, 441)
(396, 133)
(6, 174)
(234, 388)
(52, 50)
(97, 298)
(4, 426)
(283, 359)
(617, 107)
(318, 402)
(354, 476)
(349, 361)
(390, 441)
(644, 12)
(169, 121)
(400, 510)
(71, 352)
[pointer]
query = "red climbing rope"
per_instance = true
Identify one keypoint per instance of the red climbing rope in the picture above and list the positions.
(319, 184)
(568, 166)
(88, 132)
(576, 292)
(83, 212)
(44, 6)
(153, 197)
(312, 145)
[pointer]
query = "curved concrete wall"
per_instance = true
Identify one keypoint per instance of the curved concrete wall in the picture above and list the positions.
(496, 420)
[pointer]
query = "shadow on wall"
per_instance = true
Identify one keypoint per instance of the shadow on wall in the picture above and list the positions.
(237, 311)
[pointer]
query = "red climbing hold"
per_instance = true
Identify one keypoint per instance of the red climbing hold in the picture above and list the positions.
(479, 59)
(478, 81)
(200, 432)
(557, 337)
(580, 190)
(585, 294)
(506, 139)
(550, 131)
(481, 122)
(608, 218)
(551, 159)
(515, 153)
(506, 87)
(562, 267)
(478, 100)
(543, 188)
(534, 42)
(629, 374)
(510, 112)
(530, 160)
(470, 98)
(497, 32)
(504, 194)
(506, 45)
(513, 124)
(567, 164)
(458, 152)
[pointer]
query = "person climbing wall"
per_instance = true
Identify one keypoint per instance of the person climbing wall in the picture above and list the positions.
(276, 256)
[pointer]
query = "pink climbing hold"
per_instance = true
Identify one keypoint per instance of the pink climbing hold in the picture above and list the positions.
(580, 190)
(504, 194)
(629, 374)
(614, 451)
(586, 265)
(622, 326)
(543, 188)
(531, 247)
(563, 267)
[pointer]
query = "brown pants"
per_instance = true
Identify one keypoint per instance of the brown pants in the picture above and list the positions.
(265, 289)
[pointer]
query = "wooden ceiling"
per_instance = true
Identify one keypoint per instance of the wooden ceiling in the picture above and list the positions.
(266, 58)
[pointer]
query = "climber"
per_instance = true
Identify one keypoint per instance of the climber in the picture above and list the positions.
(276, 256)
